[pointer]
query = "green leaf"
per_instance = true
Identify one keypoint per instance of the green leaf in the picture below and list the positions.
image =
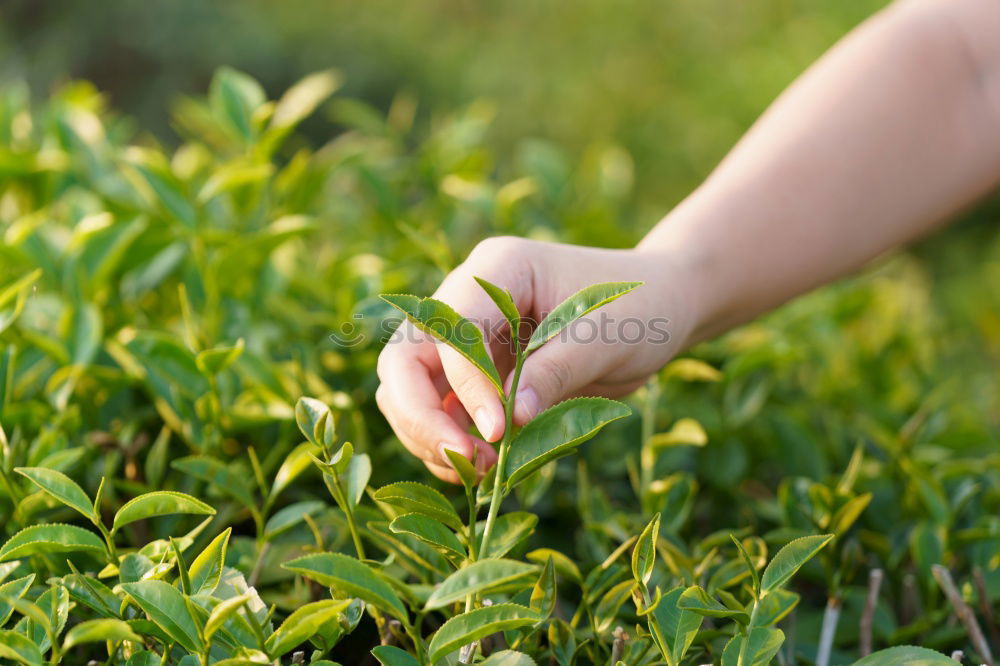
(773, 608)
(612, 601)
(764, 644)
(52, 538)
(696, 600)
(482, 577)
(15, 589)
(685, 432)
(413, 497)
(97, 631)
(92, 593)
(19, 648)
(302, 624)
(564, 565)
(579, 304)
(222, 612)
(61, 487)
(206, 570)
(443, 323)
(165, 606)
(789, 559)
(468, 627)
(905, 655)
(159, 503)
(556, 431)
(235, 97)
(505, 302)
(644, 553)
(351, 578)
(302, 98)
(673, 628)
(215, 360)
(389, 655)
(290, 516)
(464, 468)
(508, 658)
(431, 532)
(543, 594)
(296, 462)
(155, 173)
(509, 530)
(314, 419)
(849, 513)
(748, 561)
(356, 477)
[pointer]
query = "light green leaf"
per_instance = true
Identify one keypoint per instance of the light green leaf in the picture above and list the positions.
(413, 497)
(206, 570)
(219, 475)
(222, 612)
(290, 516)
(52, 538)
(764, 644)
(234, 97)
(356, 477)
(775, 607)
(848, 514)
(215, 360)
(19, 648)
(790, 558)
(97, 631)
(464, 629)
(564, 565)
(443, 323)
(543, 594)
(15, 589)
(351, 578)
(389, 655)
(508, 658)
(59, 486)
(302, 98)
(464, 468)
(302, 624)
(905, 655)
(92, 593)
(644, 553)
(159, 503)
(509, 530)
(685, 432)
(612, 601)
(314, 419)
(295, 463)
(482, 577)
(165, 606)
(579, 304)
(504, 301)
(748, 561)
(691, 370)
(431, 532)
(695, 599)
(556, 431)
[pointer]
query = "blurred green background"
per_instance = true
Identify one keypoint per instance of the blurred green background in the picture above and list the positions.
(674, 83)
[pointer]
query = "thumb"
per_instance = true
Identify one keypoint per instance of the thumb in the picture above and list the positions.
(556, 371)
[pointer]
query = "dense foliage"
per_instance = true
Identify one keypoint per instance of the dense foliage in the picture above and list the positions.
(193, 470)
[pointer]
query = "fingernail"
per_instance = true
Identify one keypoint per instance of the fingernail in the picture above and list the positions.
(484, 422)
(448, 446)
(526, 405)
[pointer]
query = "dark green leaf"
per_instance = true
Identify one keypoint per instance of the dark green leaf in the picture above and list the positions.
(389, 655)
(413, 497)
(431, 532)
(509, 530)
(351, 578)
(61, 487)
(165, 606)
(480, 577)
(764, 644)
(159, 503)
(905, 655)
(673, 628)
(505, 302)
(556, 431)
(697, 600)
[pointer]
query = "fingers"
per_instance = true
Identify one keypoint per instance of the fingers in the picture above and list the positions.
(412, 404)
(492, 260)
(558, 370)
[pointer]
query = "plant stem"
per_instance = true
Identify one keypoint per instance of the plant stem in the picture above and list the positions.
(109, 542)
(742, 659)
(829, 629)
(868, 613)
(508, 409)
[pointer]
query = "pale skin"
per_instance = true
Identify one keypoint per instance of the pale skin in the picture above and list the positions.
(893, 132)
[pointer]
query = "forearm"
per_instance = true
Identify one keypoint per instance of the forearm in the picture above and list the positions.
(894, 131)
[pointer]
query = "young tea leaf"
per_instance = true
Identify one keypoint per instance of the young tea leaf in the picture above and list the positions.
(789, 559)
(505, 302)
(673, 628)
(206, 570)
(508, 658)
(431, 532)
(764, 643)
(351, 578)
(464, 468)
(556, 431)
(98, 631)
(159, 503)
(61, 487)
(543, 594)
(443, 323)
(314, 418)
(15, 589)
(579, 304)
(19, 648)
(696, 600)
(482, 577)
(644, 553)
(302, 624)
(509, 530)
(463, 629)
(52, 538)
(748, 561)
(413, 497)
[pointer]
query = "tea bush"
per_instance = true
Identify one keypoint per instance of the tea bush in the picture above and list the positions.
(193, 470)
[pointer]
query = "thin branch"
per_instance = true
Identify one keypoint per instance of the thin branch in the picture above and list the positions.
(868, 613)
(963, 611)
(985, 606)
(830, 618)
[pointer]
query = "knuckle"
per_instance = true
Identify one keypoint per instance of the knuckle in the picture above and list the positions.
(497, 248)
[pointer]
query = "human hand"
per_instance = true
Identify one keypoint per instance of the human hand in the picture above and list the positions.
(430, 394)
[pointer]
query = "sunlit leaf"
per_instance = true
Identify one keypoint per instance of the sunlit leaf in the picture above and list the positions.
(764, 643)
(431, 532)
(97, 631)
(303, 623)
(60, 486)
(644, 553)
(19, 648)
(481, 577)
(695, 599)
(51, 538)
(165, 606)
(789, 559)
(413, 497)
(579, 304)
(159, 503)
(463, 629)
(351, 578)
(206, 569)
(504, 301)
